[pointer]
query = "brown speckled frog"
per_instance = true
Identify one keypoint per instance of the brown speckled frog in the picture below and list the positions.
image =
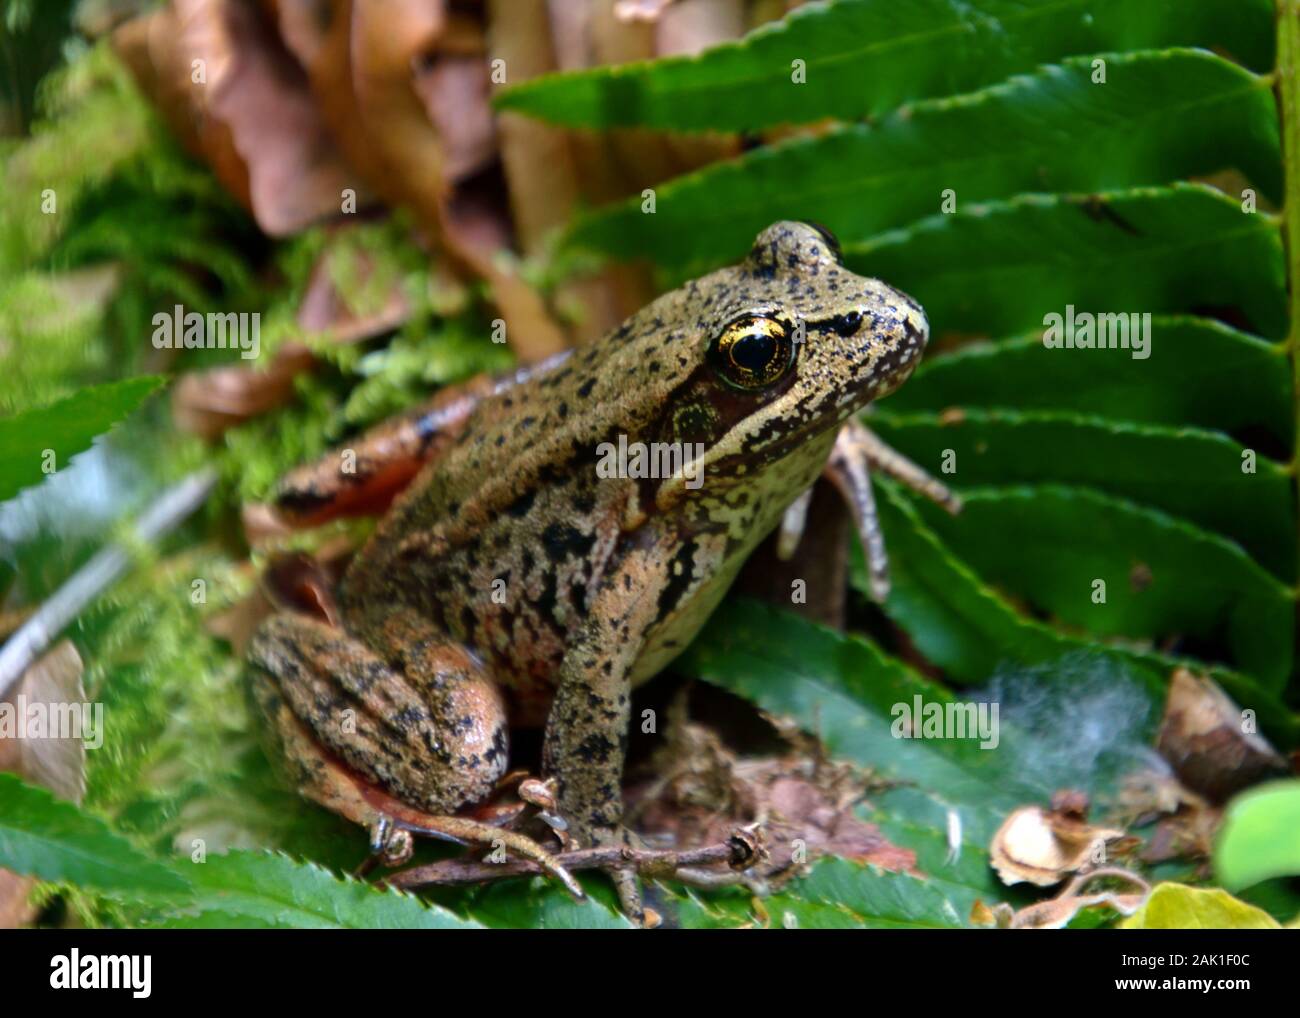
(515, 580)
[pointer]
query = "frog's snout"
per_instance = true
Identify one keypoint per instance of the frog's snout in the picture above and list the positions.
(897, 343)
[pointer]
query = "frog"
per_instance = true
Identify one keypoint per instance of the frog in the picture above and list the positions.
(511, 581)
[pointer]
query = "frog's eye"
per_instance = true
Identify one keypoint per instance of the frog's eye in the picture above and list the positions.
(753, 351)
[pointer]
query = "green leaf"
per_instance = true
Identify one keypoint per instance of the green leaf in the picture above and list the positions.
(1055, 130)
(844, 690)
(864, 57)
(55, 841)
(1187, 472)
(1000, 268)
(1260, 836)
(1163, 577)
(839, 894)
(538, 903)
(1179, 907)
(265, 889)
(846, 895)
(962, 626)
(66, 427)
(915, 819)
(1201, 373)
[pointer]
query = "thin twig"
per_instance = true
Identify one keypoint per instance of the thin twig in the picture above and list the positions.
(739, 851)
(106, 567)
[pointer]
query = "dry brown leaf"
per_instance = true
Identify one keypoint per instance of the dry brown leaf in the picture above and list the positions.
(1208, 742)
(1057, 913)
(250, 114)
(539, 164)
(455, 91)
(206, 403)
(1043, 847)
(58, 764)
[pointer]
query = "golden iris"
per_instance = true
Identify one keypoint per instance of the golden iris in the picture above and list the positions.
(753, 351)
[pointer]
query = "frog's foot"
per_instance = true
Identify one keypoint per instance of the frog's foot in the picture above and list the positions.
(623, 873)
(390, 844)
(856, 453)
(466, 831)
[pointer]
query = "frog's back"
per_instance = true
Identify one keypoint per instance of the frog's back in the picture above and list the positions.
(500, 541)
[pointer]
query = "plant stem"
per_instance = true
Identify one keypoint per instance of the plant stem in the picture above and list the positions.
(97, 575)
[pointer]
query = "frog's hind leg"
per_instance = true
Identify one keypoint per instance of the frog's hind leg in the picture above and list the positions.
(396, 747)
(363, 476)
(856, 453)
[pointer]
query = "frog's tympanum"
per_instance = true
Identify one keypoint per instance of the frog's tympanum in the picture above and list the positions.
(512, 582)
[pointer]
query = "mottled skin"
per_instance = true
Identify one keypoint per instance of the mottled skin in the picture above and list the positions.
(599, 582)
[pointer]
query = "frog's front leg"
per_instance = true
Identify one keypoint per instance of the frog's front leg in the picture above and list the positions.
(586, 730)
(394, 745)
(856, 453)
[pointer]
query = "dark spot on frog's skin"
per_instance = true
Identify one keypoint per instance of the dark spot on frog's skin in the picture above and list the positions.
(595, 748)
(585, 454)
(563, 539)
(408, 717)
(521, 506)
(545, 603)
(468, 619)
(501, 440)
(527, 422)
(562, 410)
(680, 575)
(585, 389)
(584, 504)
(301, 500)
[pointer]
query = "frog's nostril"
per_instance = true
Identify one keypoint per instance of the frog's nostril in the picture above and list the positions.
(846, 324)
